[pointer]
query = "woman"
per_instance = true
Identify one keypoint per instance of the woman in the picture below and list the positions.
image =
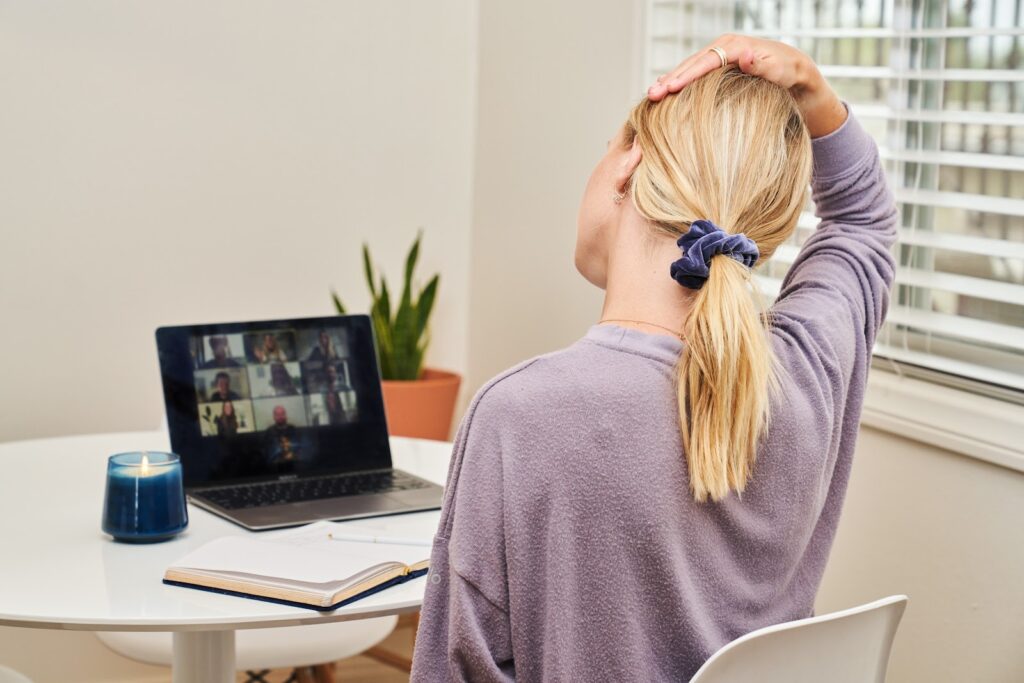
(620, 509)
(324, 349)
(281, 381)
(270, 351)
(334, 409)
(227, 421)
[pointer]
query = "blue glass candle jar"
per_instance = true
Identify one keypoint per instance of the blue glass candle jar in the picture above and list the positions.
(145, 499)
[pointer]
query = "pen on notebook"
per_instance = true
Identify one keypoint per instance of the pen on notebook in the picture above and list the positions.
(394, 540)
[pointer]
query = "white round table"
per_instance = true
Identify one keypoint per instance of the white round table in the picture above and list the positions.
(61, 571)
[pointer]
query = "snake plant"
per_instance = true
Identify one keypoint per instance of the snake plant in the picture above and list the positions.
(402, 338)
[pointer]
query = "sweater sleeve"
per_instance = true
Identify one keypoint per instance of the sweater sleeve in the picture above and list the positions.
(464, 632)
(835, 295)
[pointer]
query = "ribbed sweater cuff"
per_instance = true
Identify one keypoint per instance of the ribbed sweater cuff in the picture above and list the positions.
(842, 150)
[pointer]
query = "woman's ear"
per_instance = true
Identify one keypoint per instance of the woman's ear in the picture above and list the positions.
(628, 166)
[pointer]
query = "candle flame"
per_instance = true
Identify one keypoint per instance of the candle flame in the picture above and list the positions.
(145, 463)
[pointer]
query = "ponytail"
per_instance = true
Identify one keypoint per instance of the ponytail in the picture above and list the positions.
(725, 374)
(729, 148)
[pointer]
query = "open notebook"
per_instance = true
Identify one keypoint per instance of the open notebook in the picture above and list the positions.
(311, 567)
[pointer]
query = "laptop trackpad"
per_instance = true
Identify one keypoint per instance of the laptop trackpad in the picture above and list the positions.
(333, 508)
(313, 510)
(418, 498)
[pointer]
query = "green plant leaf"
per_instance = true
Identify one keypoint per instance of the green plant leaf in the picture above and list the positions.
(384, 302)
(421, 352)
(382, 333)
(384, 352)
(410, 260)
(404, 330)
(384, 327)
(405, 339)
(425, 304)
(401, 339)
(417, 363)
(337, 303)
(368, 270)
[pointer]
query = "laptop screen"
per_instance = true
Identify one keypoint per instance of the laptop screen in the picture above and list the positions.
(267, 399)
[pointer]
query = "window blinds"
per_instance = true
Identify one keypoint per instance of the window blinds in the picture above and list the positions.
(940, 87)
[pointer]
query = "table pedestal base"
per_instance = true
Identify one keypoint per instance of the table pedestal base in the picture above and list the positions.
(207, 656)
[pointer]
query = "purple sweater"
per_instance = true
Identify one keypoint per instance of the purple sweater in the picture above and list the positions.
(570, 548)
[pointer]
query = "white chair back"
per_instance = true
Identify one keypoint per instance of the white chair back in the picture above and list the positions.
(851, 646)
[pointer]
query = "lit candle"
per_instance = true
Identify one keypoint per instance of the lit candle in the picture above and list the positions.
(145, 499)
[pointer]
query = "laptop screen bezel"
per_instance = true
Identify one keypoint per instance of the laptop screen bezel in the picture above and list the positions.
(181, 403)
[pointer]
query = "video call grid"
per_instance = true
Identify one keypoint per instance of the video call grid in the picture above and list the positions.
(272, 380)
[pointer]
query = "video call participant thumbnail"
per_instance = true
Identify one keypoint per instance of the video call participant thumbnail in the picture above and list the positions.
(222, 388)
(324, 377)
(220, 351)
(217, 386)
(282, 445)
(275, 379)
(270, 347)
(282, 381)
(327, 347)
(294, 407)
(335, 411)
(226, 419)
(332, 408)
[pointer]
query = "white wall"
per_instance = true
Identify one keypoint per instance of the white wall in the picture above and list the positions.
(556, 80)
(190, 161)
(168, 163)
(945, 530)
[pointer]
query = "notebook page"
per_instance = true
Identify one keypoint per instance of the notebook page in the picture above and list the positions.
(324, 589)
(313, 562)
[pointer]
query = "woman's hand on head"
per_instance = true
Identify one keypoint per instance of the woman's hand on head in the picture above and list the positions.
(777, 62)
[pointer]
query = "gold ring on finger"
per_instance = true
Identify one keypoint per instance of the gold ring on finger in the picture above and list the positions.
(721, 54)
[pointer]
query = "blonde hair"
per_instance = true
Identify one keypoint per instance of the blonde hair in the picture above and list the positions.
(733, 149)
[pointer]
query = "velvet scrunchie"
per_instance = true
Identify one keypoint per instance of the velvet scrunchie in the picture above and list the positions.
(703, 240)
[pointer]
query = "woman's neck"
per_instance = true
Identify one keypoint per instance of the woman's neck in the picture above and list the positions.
(638, 285)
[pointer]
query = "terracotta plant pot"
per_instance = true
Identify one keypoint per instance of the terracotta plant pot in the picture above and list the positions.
(423, 407)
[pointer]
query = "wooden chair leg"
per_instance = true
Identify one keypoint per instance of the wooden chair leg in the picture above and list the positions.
(324, 673)
(385, 656)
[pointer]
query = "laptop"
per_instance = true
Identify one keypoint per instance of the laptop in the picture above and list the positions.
(281, 422)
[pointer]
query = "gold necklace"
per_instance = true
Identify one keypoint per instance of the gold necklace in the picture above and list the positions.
(642, 322)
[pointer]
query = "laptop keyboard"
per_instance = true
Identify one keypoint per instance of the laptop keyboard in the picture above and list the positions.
(267, 493)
